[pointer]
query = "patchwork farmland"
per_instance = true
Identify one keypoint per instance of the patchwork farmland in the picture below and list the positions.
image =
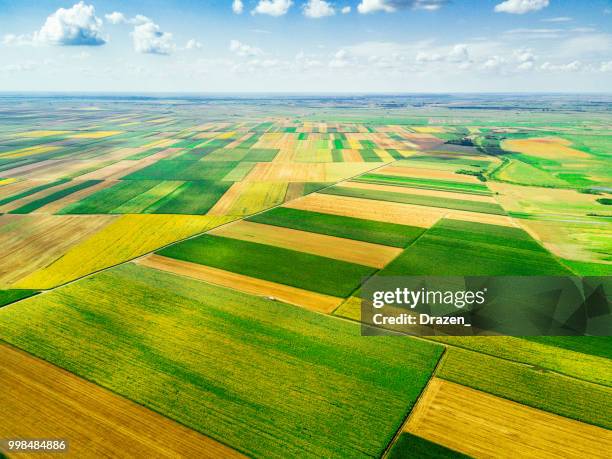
(196, 265)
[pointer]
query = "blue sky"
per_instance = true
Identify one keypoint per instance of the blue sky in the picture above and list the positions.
(306, 45)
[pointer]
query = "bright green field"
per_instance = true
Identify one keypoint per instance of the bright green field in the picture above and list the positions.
(548, 391)
(183, 170)
(465, 248)
(298, 269)
(269, 379)
(335, 225)
(12, 295)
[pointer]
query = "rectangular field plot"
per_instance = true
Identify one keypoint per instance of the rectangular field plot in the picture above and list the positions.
(454, 247)
(416, 199)
(40, 400)
(461, 418)
(125, 238)
(363, 253)
(372, 231)
(183, 170)
(434, 184)
(267, 378)
(529, 385)
(275, 264)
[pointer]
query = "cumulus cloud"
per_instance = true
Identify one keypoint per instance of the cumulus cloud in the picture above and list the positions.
(345, 10)
(149, 39)
(521, 6)
(340, 60)
(244, 50)
(237, 6)
(10, 39)
(273, 7)
(318, 9)
(573, 66)
(390, 6)
(116, 18)
(75, 26)
(193, 44)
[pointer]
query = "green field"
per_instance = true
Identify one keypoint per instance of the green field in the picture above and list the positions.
(30, 191)
(183, 170)
(432, 184)
(38, 203)
(530, 385)
(390, 234)
(264, 377)
(297, 269)
(410, 446)
(12, 295)
(190, 198)
(475, 249)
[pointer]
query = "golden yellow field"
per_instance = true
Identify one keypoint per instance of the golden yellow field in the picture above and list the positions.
(544, 147)
(32, 242)
(392, 212)
(292, 295)
(42, 401)
(363, 253)
(95, 134)
(127, 237)
(482, 425)
(245, 198)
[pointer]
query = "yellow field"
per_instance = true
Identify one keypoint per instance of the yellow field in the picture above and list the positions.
(482, 425)
(245, 198)
(127, 237)
(292, 295)
(37, 150)
(429, 129)
(306, 172)
(95, 135)
(363, 253)
(32, 242)
(37, 134)
(544, 147)
(392, 212)
(40, 400)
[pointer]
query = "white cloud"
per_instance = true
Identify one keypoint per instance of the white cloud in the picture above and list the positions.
(390, 6)
(244, 50)
(423, 56)
(116, 18)
(534, 34)
(237, 6)
(569, 67)
(606, 66)
(149, 39)
(340, 60)
(76, 26)
(11, 39)
(459, 54)
(558, 19)
(273, 7)
(305, 62)
(586, 44)
(193, 44)
(521, 6)
(318, 9)
(345, 10)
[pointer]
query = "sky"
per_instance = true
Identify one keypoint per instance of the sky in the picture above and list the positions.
(315, 46)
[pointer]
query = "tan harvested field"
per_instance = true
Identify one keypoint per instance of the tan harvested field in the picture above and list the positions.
(476, 217)
(56, 206)
(482, 425)
(31, 242)
(384, 211)
(49, 169)
(544, 147)
(419, 191)
(363, 253)
(292, 295)
(40, 400)
(419, 172)
(306, 172)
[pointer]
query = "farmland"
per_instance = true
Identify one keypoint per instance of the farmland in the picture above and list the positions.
(194, 265)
